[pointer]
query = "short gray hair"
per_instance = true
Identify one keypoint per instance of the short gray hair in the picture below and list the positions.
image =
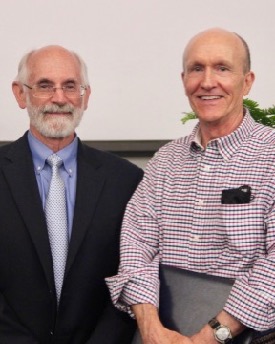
(23, 68)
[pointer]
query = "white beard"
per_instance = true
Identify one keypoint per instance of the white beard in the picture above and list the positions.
(54, 126)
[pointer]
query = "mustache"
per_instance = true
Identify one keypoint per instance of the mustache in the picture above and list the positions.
(54, 108)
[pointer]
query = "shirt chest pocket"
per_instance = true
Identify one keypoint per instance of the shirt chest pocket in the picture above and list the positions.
(243, 224)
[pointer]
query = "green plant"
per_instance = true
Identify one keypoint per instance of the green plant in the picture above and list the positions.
(263, 116)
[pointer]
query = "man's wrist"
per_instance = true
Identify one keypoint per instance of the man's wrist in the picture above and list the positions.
(226, 319)
(148, 321)
(222, 333)
(225, 327)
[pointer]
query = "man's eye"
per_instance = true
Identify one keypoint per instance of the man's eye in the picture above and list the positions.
(44, 87)
(196, 68)
(70, 88)
(222, 68)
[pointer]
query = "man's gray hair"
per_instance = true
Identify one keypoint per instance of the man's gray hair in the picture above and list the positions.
(23, 68)
(247, 61)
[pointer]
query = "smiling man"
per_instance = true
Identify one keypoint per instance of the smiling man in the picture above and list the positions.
(179, 215)
(61, 207)
(216, 76)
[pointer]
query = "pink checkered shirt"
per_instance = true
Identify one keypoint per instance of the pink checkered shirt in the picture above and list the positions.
(176, 217)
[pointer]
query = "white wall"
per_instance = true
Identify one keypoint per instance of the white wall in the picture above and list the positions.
(133, 50)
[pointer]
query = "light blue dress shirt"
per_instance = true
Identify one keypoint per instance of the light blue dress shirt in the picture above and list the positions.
(68, 172)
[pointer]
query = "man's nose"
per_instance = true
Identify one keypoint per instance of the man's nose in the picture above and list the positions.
(209, 79)
(59, 96)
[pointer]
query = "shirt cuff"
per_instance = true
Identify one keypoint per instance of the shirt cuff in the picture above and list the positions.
(251, 307)
(130, 289)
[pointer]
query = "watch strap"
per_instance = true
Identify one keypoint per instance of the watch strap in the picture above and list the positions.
(215, 324)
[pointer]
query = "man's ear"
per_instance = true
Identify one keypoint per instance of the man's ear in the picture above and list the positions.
(182, 79)
(20, 95)
(249, 79)
(86, 97)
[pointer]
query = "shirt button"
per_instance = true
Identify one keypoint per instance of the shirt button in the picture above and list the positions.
(200, 202)
(206, 168)
(196, 238)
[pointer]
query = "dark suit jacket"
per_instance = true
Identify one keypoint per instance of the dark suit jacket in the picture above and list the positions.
(27, 294)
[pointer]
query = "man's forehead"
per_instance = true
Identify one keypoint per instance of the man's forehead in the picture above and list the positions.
(210, 59)
(53, 63)
(213, 45)
(52, 57)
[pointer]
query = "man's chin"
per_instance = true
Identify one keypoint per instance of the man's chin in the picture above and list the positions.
(59, 134)
(55, 126)
(55, 132)
(58, 115)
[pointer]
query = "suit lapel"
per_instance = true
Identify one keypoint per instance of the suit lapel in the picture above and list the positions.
(21, 179)
(90, 183)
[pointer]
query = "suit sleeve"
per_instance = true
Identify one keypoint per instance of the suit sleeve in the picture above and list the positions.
(114, 327)
(11, 330)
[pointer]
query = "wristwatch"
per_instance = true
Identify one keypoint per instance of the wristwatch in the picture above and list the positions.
(222, 333)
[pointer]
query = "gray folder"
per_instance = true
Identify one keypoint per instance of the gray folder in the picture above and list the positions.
(188, 300)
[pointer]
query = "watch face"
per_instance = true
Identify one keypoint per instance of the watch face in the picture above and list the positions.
(223, 333)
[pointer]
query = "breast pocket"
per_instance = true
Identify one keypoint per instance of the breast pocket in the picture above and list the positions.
(243, 224)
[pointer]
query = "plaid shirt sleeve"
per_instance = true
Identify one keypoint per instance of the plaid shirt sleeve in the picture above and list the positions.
(137, 279)
(252, 299)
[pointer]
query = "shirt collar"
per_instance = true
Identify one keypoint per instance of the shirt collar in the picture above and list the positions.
(41, 152)
(227, 145)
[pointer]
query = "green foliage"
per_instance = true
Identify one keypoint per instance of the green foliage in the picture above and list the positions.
(263, 116)
(188, 116)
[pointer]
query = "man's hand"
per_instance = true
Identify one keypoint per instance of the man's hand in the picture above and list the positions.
(164, 336)
(151, 329)
(153, 332)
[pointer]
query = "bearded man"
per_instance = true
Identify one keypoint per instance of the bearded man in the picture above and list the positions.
(61, 205)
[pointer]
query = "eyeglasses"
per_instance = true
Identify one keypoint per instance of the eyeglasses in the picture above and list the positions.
(47, 91)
